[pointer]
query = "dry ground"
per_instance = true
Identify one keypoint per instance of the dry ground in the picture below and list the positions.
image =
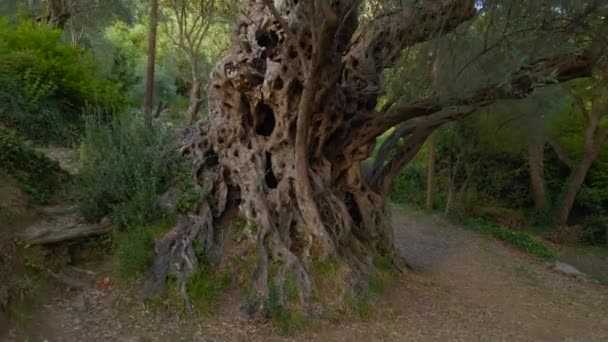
(466, 287)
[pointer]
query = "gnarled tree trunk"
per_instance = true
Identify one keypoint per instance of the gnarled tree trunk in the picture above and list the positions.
(292, 116)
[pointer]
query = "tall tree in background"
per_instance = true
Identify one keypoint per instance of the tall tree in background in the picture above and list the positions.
(430, 172)
(186, 25)
(595, 117)
(149, 99)
(59, 12)
(535, 153)
(294, 112)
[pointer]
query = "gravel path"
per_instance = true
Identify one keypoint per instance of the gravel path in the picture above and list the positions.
(466, 287)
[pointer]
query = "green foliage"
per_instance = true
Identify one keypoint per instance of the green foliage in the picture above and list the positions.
(521, 240)
(409, 186)
(125, 166)
(190, 194)
(284, 319)
(134, 248)
(37, 175)
(135, 252)
(45, 83)
(204, 286)
(359, 307)
(595, 231)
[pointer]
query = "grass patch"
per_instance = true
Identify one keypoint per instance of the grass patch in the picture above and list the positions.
(135, 252)
(520, 240)
(135, 249)
(204, 286)
(285, 319)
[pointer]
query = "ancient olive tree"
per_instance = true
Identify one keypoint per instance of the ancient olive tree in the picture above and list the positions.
(295, 110)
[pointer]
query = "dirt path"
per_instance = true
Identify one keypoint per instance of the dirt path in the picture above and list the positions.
(466, 287)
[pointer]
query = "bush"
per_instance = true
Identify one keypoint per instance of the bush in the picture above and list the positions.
(38, 176)
(410, 185)
(45, 83)
(595, 231)
(125, 166)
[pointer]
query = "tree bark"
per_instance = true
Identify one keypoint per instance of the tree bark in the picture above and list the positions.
(430, 172)
(537, 180)
(594, 137)
(194, 101)
(576, 180)
(58, 13)
(536, 165)
(149, 97)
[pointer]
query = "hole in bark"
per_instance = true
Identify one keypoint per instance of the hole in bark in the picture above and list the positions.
(264, 119)
(248, 47)
(293, 129)
(296, 88)
(355, 62)
(353, 208)
(269, 177)
(267, 39)
(278, 83)
(292, 54)
(211, 160)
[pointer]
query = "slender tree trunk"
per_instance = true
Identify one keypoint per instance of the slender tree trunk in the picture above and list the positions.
(572, 187)
(194, 101)
(149, 99)
(452, 173)
(58, 13)
(595, 136)
(537, 180)
(430, 172)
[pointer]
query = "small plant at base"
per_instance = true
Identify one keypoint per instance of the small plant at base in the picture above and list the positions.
(282, 316)
(376, 284)
(204, 286)
(190, 194)
(135, 252)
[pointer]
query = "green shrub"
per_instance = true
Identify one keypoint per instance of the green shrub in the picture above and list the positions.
(410, 185)
(125, 166)
(38, 176)
(46, 83)
(190, 195)
(595, 231)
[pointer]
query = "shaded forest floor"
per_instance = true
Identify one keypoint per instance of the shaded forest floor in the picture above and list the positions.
(466, 287)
